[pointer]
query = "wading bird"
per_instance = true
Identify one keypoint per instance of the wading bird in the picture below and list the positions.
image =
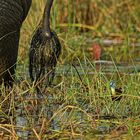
(44, 52)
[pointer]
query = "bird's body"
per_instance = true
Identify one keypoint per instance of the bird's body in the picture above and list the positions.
(116, 92)
(45, 49)
(44, 53)
(113, 87)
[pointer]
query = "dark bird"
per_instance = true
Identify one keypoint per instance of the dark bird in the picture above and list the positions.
(44, 52)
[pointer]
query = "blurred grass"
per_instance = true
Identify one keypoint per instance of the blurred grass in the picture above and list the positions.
(111, 19)
(77, 21)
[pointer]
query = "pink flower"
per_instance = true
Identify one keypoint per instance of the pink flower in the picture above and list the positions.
(96, 51)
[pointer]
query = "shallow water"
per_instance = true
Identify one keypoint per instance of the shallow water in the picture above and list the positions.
(44, 108)
(66, 115)
(104, 67)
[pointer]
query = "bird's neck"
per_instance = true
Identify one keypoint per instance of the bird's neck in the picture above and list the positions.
(46, 18)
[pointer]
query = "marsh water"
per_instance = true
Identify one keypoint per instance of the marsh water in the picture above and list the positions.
(79, 105)
(79, 113)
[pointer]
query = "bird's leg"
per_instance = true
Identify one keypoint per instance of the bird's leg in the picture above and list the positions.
(52, 74)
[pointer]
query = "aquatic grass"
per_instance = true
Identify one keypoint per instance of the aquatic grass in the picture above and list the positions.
(81, 106)
(80, 109)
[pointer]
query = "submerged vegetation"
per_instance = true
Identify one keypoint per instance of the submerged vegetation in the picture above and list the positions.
(79, 105)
